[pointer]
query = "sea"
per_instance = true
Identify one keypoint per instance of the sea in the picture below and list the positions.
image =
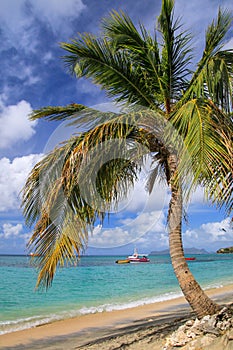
(96, 284)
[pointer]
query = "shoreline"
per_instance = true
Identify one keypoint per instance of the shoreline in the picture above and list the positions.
(91, 328)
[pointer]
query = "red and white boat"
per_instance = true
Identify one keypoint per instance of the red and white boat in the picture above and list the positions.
(138, 258)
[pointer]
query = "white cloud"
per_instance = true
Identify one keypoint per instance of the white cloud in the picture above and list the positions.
(27, 74)
(148, 225)
(107, 238)
(144, 222)
(17, 26)
(219, 230)
(20, 25)
(58, 8)
(48, 56)
(139, 199)
(154, 241)
(55, 11)
(14, 18)
(9, 230)
(13, 237)
(15, 125)
(23, 24)
(148, 230)
(12, 178)
(87, 87)
(210, 234)
(129, 230)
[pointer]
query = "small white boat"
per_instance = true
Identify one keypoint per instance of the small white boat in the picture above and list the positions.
(138, 258)
(33, 254)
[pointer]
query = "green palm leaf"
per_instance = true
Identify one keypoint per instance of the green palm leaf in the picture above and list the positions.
(94, 58)
(208, 145)
(219, 76)
(215, 36)
(175, 54)
(140, 47)
(57, 112)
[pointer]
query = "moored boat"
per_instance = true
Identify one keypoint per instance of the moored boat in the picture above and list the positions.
(122, 261)
(138, 258)
(33, 254)
(191, 258)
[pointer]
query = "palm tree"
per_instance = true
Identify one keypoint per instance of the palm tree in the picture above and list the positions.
(181, 118)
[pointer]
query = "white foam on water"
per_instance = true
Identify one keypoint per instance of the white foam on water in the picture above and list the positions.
(38, 320)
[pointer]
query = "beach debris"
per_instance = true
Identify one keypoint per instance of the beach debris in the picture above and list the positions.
(207, 333)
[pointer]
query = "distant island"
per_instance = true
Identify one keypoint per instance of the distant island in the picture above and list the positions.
(186, 251)
(228, 250)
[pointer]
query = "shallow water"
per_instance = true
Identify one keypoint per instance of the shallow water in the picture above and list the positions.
(97, 284)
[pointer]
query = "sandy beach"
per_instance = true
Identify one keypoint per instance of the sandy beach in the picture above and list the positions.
(147, 325)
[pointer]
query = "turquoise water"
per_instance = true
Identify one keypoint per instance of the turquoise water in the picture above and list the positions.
(97, 284)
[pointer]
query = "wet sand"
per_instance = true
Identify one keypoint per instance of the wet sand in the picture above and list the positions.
(142, 327)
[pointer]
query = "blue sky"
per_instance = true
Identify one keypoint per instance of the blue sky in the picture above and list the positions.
(33, 75)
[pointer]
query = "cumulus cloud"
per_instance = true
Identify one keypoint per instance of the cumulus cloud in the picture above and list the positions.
(142, 218)
(32, 27)
(13, 238)
(54, 11)
(15, 125)
(139, 199)
(154, 241)
(9, 230)
(12, 178)
(149, 231)
(21, 23)
(212, 234)
(17, 26)
(128, 230)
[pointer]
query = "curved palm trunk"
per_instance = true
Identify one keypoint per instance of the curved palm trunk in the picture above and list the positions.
(198, 300)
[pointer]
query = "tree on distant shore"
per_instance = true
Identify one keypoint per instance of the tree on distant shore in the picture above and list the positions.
(180, 119)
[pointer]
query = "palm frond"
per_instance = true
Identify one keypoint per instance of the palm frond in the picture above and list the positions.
(158, 173)
(57, 112)
(216, 32)
(176, 53)
(200, 81)
(95, 58)
(56, 245)
(78, 116)
(142, 49)
(39, 182)
(219, 80)
(207, 137)
(123, 33)
(77, 184)
(220, 192)
(73, 187)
